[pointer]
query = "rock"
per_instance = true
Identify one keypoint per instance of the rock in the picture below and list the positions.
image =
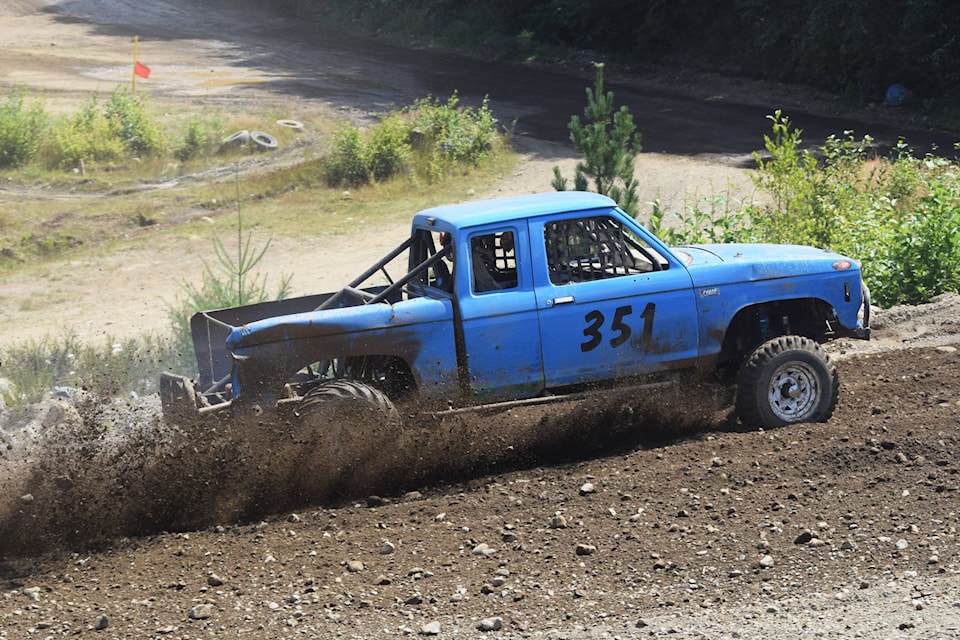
(353, 566)
(33, 593)
(375, 501)
(387, 548)
(585, 549)
(201, 612)
(766, 562)
(946, 349)
(26, 498)
(902, 545)
(214, 580)
(414, 599)
(411, 496)
(803, 538)
(432, 628)
(483, 549)
(101, 624)
(587, 489)
(558, 522)
(490, 624)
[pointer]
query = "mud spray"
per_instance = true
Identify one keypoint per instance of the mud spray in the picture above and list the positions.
(97, 472)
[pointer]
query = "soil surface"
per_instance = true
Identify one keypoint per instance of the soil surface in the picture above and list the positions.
(639, 515)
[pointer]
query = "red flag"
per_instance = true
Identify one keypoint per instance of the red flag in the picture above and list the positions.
(141, 69)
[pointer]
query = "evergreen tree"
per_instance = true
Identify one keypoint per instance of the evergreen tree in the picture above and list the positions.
(609, 143)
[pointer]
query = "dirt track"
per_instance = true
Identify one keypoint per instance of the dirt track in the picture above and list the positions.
(692, 528)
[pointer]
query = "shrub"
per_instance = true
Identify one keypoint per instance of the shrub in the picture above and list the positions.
(129, 120)
(900, 216)
(199, 139)
(21, 128)
(386, 151)
(345, 164)
(429, 138)
(718, 219)
(84, 136)
(445, 135)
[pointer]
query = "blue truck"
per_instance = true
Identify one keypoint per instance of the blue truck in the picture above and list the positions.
(531, 299)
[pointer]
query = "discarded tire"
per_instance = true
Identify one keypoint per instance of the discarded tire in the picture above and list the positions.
(237, 139)
(290, 124)
(263, 140)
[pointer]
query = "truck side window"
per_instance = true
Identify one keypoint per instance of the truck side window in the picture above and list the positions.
(584, 249)
(494, 261)
(426, 244)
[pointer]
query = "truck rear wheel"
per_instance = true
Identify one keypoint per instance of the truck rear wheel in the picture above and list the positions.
(787, 380)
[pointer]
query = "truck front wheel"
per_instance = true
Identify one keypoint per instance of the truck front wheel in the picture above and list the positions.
(787, 380)
(346, 395)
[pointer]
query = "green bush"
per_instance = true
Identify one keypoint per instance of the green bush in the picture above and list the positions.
(447, 134)
(386, 151)
(129, 120)
(900, 216)
(105, 133)
(84, 136)
(428, 139)
(21, 128)
(721, 218)
(200, 138)
(345, 165)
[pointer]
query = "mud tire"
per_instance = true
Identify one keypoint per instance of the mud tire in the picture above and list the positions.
(349, 396)
(786, 380)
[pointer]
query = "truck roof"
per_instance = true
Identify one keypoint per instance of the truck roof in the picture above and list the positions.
(470, 214)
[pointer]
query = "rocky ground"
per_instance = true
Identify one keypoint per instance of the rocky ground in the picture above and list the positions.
(634, 517)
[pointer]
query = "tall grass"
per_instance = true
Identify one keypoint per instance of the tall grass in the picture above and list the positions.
(31, 369)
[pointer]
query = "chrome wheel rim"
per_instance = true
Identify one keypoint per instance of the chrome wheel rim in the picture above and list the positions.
(793, 391)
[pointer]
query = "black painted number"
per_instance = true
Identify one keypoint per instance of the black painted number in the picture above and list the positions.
(594, 322)
(623, 330)
(595, 319)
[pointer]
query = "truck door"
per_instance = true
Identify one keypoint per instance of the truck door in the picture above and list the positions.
(610, 304)
(500, 340)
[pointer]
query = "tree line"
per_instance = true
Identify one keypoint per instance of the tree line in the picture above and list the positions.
(855, 48)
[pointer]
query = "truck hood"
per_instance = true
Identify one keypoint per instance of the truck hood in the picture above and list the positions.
(716, 264)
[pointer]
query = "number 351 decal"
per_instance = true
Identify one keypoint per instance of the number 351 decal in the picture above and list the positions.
(618, 326)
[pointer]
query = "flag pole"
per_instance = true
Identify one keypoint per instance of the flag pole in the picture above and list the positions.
(135, 41)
